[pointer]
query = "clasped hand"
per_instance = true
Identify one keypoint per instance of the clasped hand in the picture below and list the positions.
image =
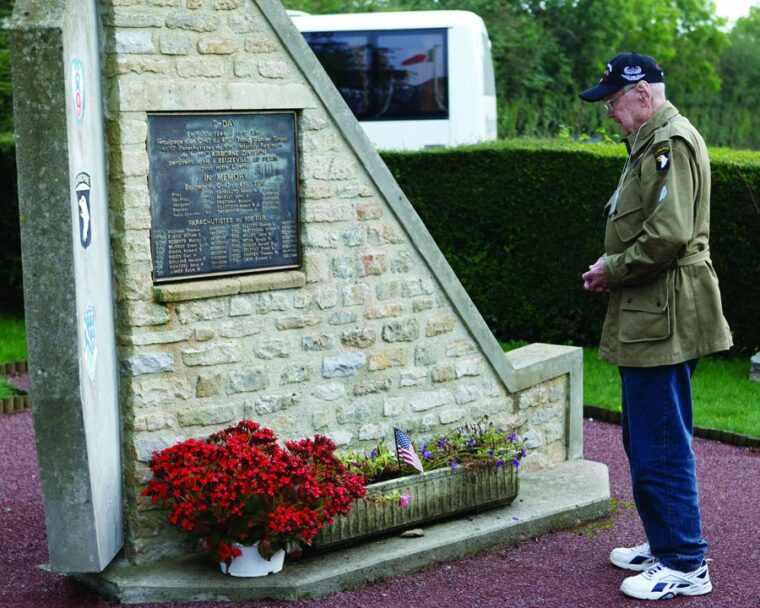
(594, 279)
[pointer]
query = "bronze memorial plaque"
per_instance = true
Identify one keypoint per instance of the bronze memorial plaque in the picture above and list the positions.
(223, 193)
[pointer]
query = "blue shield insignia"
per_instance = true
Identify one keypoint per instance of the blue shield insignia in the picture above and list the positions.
(90, 348)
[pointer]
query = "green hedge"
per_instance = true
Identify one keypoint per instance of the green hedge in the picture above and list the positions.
(11, 296)
(519, 221)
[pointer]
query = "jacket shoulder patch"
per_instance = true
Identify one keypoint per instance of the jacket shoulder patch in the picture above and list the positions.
(662, 156)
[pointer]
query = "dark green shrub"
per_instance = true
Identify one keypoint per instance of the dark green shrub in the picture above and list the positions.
(519, 221)
(11, 296)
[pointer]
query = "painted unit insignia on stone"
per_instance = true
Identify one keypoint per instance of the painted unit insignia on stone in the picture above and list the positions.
(82, 192)
(77, 89)
(90, 346)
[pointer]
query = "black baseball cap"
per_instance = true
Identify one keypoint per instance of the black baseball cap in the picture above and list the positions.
(625, 69)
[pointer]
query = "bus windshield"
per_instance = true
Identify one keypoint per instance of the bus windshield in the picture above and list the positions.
(387, 75)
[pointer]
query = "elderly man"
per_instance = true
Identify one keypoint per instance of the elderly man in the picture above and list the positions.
(664, 313)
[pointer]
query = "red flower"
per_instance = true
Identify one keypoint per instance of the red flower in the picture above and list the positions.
(240, 485)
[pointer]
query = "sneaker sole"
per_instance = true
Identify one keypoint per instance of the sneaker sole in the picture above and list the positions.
(666, 595)
(634, 567)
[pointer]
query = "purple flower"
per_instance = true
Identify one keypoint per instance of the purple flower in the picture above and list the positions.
(490, 452)
(404, 500)
(499, 463)
(516, 463)
(442, 442)
(512, 436)
(374, 453)
(454, 464)
(471, 442)
(425, 452)
(523, 453)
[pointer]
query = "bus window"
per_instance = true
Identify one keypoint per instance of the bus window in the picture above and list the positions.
(347, 59)
(413, 79)
(387, 75)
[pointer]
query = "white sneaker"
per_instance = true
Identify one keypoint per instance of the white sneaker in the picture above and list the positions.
(638, 558)
(661, 583)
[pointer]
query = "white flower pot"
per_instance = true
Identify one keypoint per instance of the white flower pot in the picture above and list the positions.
(250, 563)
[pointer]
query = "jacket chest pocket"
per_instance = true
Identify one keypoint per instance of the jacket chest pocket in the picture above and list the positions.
(629, 223)
(645, 312)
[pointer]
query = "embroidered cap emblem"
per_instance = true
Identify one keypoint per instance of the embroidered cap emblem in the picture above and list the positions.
(633, 73)
(606, 74)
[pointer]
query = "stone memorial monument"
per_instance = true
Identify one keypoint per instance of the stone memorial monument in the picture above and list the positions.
(207, 236)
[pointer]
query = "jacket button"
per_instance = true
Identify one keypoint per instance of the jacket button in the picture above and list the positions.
(630, 300)
(658, 304)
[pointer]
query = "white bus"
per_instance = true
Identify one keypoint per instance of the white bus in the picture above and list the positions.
(412, 79)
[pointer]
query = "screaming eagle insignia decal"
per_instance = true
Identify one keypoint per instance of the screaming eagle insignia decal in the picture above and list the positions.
(662, 157)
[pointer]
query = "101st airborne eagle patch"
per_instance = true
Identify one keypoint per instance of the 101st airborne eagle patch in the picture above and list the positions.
(662, 156)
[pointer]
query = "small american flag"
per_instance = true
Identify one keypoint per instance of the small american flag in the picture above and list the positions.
(405, 450)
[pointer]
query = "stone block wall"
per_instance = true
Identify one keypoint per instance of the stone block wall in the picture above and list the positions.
(361, 339)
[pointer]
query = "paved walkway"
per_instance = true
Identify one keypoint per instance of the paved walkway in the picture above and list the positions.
(562, 570)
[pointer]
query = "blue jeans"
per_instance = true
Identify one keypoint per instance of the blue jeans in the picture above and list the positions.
(657, 434)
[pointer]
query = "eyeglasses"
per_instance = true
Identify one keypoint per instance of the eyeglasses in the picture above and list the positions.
(609, 104)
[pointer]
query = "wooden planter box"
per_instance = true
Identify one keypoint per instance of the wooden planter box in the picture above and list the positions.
(435, 495)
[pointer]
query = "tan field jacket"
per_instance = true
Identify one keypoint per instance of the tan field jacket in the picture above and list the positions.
(665, 305)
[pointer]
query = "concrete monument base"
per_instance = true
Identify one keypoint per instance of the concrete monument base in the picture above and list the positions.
(560, 497)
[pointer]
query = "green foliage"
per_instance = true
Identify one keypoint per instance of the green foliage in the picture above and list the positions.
(380, 464)
(519, 221)
(6, 95)
(478, 445)
(327, 7)
(475, 445)
(546, 51)
(12, 340)
(733, 119)
(6, 390)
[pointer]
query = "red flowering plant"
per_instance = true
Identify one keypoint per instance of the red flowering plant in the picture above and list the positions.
(241, 486)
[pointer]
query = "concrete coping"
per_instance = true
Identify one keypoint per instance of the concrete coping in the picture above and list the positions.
(536, 363)
(228, 286)
(560, 497)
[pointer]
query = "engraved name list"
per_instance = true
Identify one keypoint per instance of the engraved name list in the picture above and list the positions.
(224, 196)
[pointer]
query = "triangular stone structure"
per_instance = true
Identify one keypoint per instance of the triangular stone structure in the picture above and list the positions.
(372, 331)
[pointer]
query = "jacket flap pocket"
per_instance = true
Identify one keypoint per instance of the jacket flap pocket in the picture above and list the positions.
(645, 313)
(629, 223)
(645, 302)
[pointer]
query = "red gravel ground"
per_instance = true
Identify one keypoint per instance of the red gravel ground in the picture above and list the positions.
(562, 570)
